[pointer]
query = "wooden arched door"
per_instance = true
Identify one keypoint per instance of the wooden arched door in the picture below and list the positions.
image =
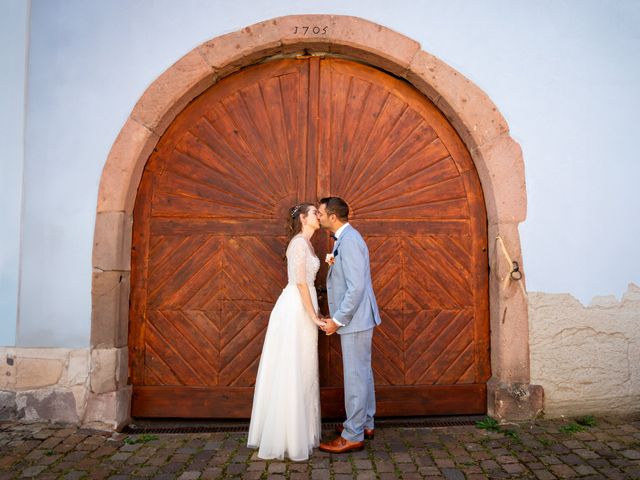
(209, 237)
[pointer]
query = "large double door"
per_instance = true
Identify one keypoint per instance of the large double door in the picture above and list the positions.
(209, 238)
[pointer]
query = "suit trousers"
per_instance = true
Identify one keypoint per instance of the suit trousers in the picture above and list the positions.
(359, 396)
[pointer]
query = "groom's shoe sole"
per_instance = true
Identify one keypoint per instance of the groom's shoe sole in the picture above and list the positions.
(369, 433)
(341, 445)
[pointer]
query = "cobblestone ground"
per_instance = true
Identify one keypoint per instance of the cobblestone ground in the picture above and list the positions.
(545, 449)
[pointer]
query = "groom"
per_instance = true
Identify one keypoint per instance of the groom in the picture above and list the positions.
(354, 312)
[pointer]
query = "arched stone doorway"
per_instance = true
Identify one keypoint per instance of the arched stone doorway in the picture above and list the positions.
(496, 156)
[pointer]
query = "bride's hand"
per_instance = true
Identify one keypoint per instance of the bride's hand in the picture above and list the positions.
(319, 322)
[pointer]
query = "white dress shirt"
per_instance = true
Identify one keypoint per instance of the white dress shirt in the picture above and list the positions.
(340, 230)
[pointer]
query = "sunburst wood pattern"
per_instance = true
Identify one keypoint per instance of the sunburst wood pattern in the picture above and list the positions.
(207, 261)
(408, 182)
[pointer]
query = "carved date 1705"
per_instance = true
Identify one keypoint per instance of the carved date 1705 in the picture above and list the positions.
(304, 30)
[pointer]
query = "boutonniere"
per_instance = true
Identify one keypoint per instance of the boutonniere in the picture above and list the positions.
(329, 259)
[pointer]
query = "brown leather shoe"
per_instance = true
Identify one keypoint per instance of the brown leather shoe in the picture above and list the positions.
(341, 445)
(369, 433)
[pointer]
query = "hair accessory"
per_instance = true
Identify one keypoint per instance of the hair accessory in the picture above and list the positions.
(295, 210)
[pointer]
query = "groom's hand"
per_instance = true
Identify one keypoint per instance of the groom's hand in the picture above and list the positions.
(330, 327)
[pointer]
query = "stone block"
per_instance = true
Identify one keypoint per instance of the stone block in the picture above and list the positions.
(103, 370)
(38, 372)
(500, 167)
(77, 370)
(508, 307)
(352, 36)
(375, 44)
(8, 409)
(123, 168)
(110, 310)
(364, 40)
(230, 52)
(514, 401)
(110, 410)
(122, 372)
(56, 405)
(468, 108)
(8, 366)
(172, 91)
(508, 249)
(109, 367)
(112, 241)
(80, 393)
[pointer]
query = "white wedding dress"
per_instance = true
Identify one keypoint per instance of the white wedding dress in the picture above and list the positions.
(285, 419)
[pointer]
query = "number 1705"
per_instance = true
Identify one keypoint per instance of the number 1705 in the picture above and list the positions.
(315, 30)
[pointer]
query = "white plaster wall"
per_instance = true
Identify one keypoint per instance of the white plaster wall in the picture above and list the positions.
(565, 77)
(14, 34)
(587, 358)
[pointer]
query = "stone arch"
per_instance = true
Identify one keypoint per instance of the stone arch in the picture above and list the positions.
(497, 157)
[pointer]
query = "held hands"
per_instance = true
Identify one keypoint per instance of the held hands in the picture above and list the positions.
(326, 324)
(319, 321)
(330, 327)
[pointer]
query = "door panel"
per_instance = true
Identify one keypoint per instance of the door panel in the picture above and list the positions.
(209, 239)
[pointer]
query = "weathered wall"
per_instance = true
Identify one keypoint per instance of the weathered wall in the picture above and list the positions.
(64, 385)
(47, 383)
(586, 358)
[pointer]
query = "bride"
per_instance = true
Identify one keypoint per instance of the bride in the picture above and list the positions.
(285, 419)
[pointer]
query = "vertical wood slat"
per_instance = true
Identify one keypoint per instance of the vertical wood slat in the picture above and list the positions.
(479, 278)
(139, 270)
(311, 160)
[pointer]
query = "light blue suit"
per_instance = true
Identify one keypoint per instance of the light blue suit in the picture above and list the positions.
(353, 304)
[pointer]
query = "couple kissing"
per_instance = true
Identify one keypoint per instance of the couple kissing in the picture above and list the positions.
(285, 417)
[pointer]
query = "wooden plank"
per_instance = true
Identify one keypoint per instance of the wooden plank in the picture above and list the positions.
(332, 403)
(411, 227)
(191, 402)
(220, 146)
(240, 351)
(452, 277)
(168, 351)
(431, 400)
(208, 168)
(444, 328)
(236, 402)
(467, 399)
(228, 227)
(309, 168)
(327, 116)
(139, 277)
(480, 275)
(183, 276)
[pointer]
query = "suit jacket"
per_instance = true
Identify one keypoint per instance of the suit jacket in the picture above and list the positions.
(349, 289)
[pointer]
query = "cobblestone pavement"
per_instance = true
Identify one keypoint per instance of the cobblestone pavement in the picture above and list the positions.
(545, 449)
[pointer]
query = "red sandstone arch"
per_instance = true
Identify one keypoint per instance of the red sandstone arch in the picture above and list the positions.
(497, 157)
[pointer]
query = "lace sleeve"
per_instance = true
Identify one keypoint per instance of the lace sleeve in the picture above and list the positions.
(297, 261)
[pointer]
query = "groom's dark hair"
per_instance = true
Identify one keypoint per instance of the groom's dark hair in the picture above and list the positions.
(337, 206)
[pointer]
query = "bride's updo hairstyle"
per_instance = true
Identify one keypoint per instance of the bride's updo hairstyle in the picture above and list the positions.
(295, 222)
